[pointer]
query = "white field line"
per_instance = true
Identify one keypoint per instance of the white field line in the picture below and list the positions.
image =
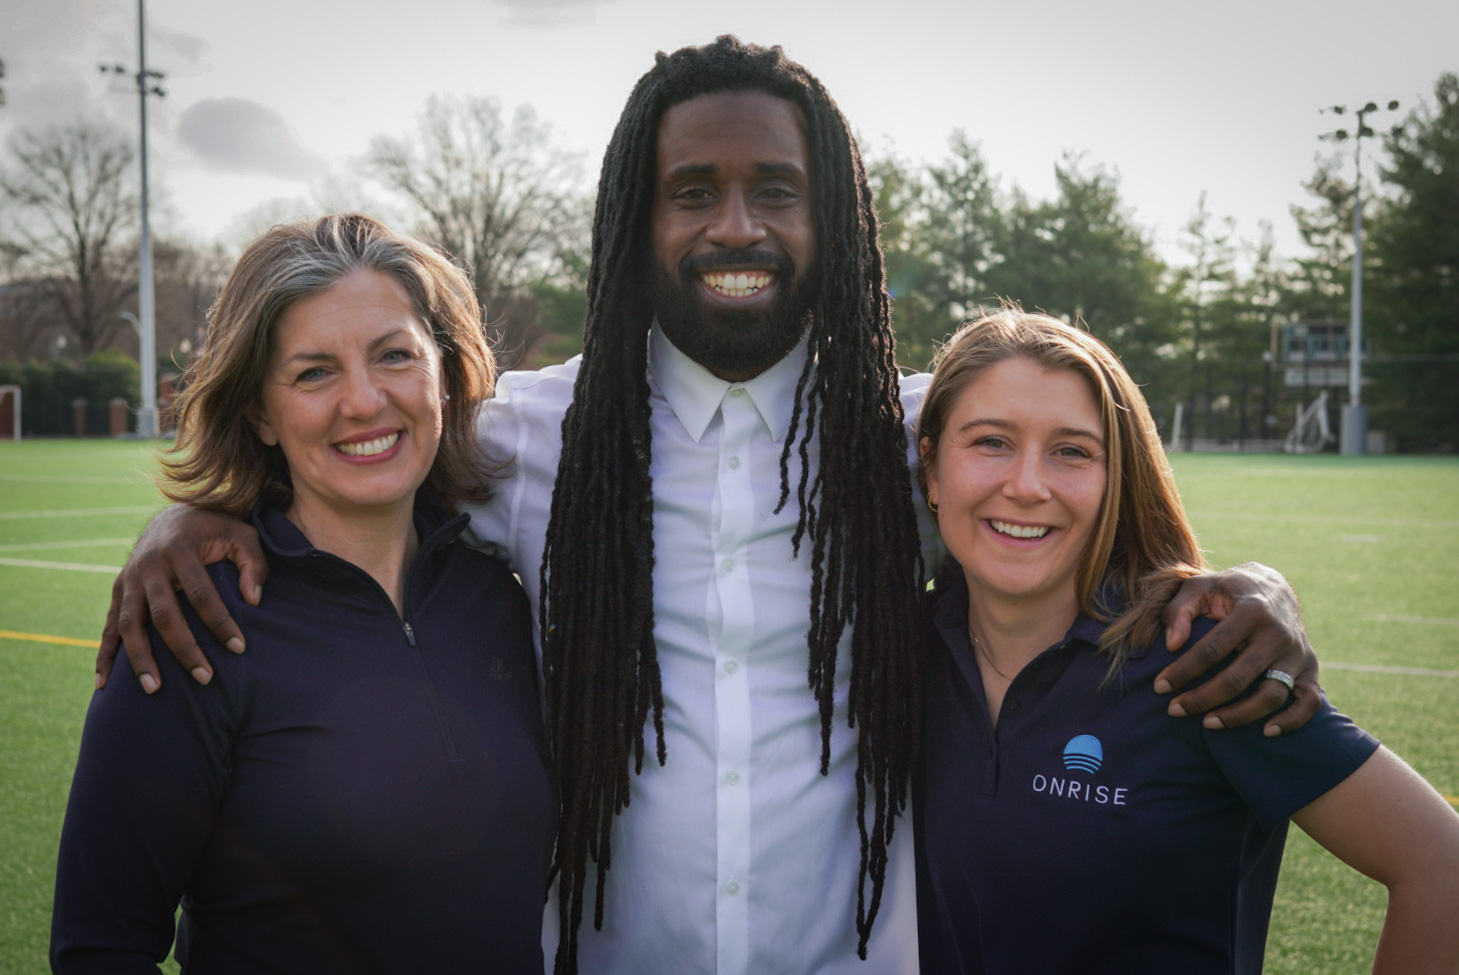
(135, 509)
(82, 543)
(1421, 620)
(65, 566)
(1384, 669)
(139, 480)
(1197, 516)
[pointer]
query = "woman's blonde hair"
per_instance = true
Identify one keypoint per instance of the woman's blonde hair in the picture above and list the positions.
(218, 460)
(1142, 545)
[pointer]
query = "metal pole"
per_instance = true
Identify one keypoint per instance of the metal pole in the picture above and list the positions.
(147, 418)
(1355, 337)
(1354, 431)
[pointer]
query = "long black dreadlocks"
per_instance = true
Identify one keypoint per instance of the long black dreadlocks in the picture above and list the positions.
(599, 658)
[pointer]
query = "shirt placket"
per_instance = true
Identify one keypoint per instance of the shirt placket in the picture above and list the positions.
(732, 686)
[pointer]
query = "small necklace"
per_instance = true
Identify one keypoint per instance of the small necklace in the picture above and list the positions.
(985, 655)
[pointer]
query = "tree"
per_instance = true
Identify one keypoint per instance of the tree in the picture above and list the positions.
(1205, 291)
(964, 228)
(1320, 286)
(1260, 296)
(1412, 290)
(1081, 256)
(919, 312)
(73, 224)
(189, 276)
(496, 195)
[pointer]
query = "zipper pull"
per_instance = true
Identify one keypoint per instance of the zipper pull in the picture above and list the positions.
(409, 634)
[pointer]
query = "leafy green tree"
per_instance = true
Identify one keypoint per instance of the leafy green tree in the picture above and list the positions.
(1412, 291)
(964, 229)
(1080, 256)
(1260, 296)
(1321, 283)
(919, 312)
(1204, 292)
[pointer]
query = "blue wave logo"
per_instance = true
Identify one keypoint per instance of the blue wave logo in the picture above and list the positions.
(1084, 753)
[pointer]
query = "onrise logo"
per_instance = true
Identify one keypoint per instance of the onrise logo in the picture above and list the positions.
(1083, 753)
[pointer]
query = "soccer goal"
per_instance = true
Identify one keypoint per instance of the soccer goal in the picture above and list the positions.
(1311, 432)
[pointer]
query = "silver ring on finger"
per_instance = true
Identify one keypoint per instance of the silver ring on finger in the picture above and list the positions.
(1281, 676)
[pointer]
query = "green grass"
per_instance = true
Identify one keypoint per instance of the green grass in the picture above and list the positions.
(1372, 545)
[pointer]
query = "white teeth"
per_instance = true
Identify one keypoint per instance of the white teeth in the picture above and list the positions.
(368, 448)
(1019, 531)
(740, 285)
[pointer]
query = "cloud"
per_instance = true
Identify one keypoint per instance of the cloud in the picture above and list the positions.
(546, 14)
(235, 135)
(52, 48)
(180, 47)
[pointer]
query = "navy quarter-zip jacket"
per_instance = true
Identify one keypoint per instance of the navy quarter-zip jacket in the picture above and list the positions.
(362, 791)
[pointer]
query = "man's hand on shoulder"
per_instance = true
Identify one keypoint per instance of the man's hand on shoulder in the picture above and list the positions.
(172, 556)
(1259, 621)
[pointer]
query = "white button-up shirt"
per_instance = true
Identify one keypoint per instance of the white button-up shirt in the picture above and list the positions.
(737, 856)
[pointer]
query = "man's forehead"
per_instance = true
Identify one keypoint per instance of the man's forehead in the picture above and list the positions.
(751, 127)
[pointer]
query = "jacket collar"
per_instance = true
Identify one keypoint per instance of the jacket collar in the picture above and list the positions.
(434, 524)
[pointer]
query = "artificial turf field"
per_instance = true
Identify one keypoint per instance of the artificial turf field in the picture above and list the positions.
(1371, 544)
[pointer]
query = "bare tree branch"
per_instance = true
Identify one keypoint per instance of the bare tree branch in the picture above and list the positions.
(73, 224)
(498, 196)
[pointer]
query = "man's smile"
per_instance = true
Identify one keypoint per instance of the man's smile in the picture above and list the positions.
(737, 284)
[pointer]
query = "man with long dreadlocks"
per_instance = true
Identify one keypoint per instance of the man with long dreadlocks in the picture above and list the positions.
(711, 508)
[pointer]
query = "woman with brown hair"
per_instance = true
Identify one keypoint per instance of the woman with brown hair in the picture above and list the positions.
(1065, 824)
(367, 790)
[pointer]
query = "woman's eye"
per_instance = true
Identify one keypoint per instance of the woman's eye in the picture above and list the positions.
(397, 355)
(993, 443)
(310, 375)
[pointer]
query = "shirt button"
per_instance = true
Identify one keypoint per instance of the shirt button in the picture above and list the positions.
(728, 565)
(733, 888)
(733, 778)
(730, 666)
(734, 463)
(1011, 704)
(737, 391)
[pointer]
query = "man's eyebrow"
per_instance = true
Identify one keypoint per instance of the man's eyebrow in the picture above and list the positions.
(778, 168)
(708, 169)
(691, 169)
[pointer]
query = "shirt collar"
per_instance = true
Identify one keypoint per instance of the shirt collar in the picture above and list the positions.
(950, 616)
(694, 393)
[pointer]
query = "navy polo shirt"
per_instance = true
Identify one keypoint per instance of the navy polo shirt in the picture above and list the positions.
(1091, 833)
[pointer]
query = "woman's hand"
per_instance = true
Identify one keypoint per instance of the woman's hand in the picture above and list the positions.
(170, 556)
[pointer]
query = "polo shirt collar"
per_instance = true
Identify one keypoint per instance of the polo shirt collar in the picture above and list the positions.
(950, 615)
(694, 393)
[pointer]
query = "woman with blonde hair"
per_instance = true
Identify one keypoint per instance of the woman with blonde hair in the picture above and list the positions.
(367, 790)
(1065, 824)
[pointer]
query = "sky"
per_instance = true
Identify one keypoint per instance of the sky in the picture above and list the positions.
(271, 105)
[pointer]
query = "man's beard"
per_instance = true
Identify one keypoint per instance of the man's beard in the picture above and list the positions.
(732, 341)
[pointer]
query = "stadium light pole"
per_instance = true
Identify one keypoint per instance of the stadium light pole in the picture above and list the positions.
(1354, 435)
(147, 331)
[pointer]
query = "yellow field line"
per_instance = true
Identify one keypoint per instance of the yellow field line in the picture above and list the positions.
(65, 641)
